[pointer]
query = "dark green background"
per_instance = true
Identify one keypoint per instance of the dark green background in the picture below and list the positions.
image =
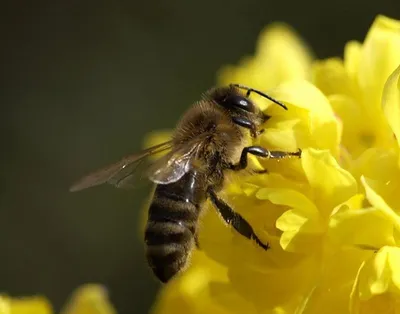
(82, 83)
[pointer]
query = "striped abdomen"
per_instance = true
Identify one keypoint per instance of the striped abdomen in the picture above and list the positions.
(171, 227)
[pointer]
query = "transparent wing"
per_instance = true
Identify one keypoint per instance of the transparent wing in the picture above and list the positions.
(165, 170)
(120, 174)
(174, 165)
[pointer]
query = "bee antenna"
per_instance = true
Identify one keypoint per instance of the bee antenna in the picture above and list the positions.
(249, 90)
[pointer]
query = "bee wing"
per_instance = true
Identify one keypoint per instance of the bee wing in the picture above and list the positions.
(120, 173)
(174, 165)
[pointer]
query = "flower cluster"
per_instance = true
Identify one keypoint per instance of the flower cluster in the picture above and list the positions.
(331, 217)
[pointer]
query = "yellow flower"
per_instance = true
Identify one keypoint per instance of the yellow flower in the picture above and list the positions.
(88, 299)
(354, 86)
(331, 217)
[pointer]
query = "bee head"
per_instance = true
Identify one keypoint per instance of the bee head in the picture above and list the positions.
(237, 104)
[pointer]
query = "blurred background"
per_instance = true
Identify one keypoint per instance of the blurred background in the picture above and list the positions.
(82, 84)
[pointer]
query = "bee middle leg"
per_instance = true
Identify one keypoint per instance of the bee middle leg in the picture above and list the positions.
(234, 219)
(261, 152)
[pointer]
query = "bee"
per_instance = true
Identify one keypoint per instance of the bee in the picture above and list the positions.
(211, 138)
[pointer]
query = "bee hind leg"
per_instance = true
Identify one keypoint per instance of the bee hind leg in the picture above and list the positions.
(261, 152)
(235, 220)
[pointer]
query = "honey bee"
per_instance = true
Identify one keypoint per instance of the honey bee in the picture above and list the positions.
(210, 139)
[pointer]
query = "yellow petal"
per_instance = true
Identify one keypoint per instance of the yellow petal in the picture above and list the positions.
(391, 102)
(331, 78)
(381, 274)
(376, 231)
(305, 95)
(290, 198)
(357, 133)
(299, 240)
(280, 55)
(380, 57)
(377, 164)
(380, 166)
(354, 304)
(378, 202)
(193, 290)
(4, 305)
(332, 184)
(352, 56)
(299, 224)
(280, 45)
(289, 285)
(282, 134)
(25, 305)
(334, 278)
(89, 299)
(317, 126)
(382, 304)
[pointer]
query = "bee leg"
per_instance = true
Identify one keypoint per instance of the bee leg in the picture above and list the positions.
(235, 220)
(261, 171)
(196, 242)
(246, 123)
(261, 152)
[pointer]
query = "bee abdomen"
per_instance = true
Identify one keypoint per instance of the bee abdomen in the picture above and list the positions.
(168, 247)
(169, 236)
(166, 233)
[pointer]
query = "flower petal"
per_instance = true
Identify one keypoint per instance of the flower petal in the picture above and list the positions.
(25, 305)
(297, 240)
(280, 55)
(380, 57)
(332, 184)
(89, 299)
(317, 126)
(378, 202)
(377, 230)
(357, 133)
(299, 224)
(193, 290)
(290, 198)
(331, 78)
(335, 275)
(352, 56)
(391, 102)
(305, 95)
(381, 274)
(282, 134)
(4, 305)
(289, 285)
(376, 287)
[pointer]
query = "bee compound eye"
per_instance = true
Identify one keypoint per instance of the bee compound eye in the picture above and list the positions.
(241, 102)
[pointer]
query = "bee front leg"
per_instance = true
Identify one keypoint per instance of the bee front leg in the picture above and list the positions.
(246, 123)
(261, 152)
(234, 219)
